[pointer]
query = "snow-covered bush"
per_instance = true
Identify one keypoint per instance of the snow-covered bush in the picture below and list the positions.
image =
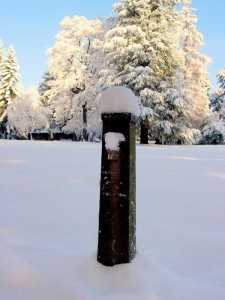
(25, 114)
(214, 131)
(211, 135)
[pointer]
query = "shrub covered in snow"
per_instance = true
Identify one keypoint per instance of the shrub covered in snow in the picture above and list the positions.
(214, 132)
(25, 114)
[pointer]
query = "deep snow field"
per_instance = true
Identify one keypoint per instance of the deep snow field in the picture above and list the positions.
(49, 202)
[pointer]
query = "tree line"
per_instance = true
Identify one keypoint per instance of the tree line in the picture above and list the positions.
(152, 47)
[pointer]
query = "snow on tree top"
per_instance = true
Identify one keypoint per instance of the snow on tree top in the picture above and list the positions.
(118, 99)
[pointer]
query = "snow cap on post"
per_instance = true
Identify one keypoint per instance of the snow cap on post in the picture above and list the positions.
(118, 99)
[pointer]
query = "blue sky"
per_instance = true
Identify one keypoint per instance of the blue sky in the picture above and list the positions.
(31, 26)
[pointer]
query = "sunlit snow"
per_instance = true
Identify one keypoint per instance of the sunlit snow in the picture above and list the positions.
(49, 199)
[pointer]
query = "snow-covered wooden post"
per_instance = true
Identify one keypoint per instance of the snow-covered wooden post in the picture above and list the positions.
(117, 213)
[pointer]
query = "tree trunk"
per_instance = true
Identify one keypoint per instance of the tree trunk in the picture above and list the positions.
(3, 121)
(144, 132)
(84, 122)
(157, 141)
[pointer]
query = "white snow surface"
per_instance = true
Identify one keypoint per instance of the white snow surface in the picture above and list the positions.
(49, 199)
(118, 99)
(113, 139)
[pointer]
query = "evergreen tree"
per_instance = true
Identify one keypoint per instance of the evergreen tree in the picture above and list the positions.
(214, 131)
(217, 99)
(9, 74)
(2, 53)
(194, 64)
(9, 79)
(221, 81)
(141, 53)
(140, 46)
(44, 87)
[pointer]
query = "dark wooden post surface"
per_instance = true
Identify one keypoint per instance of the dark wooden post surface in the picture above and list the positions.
(117, 214)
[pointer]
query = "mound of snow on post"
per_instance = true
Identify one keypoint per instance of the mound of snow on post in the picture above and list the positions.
(113, 139)
(118, 99)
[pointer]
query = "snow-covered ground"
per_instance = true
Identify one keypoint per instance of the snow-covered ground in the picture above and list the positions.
(49, 197)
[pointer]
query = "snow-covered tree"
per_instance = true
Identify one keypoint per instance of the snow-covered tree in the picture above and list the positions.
(74, 64)
(9, 85)
(214, 131)
(142, 54)
(168, 124)
(2, 53)
(194, 64)
(62, 106)
(25, 114)
(44, 87)
(221, 81)
(217, 99)
(140, 46)
(9, 75)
